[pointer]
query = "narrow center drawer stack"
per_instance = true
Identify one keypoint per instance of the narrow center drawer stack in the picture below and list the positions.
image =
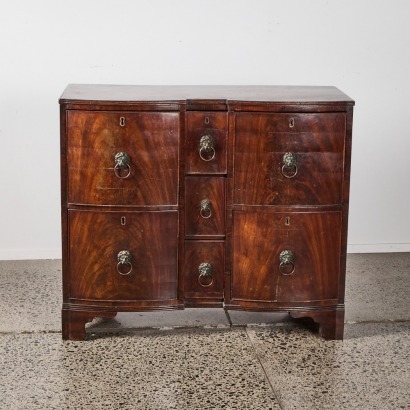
(205, 186)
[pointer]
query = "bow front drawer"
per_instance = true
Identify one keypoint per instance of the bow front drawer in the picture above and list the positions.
(123, 255)
(289, 159)
(286, 256)
(122, 158)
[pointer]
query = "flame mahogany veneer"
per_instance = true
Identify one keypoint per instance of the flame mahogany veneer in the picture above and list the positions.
(212, 196)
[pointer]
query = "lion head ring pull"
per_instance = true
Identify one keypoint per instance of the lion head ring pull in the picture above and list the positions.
(207, 148)
(205, 277)
(286, 262)
(124, 266)
(122, 167)
(205, 210)
(289, 165)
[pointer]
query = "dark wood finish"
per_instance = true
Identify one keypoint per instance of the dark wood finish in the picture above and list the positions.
(256, 211)
(205, 188)
(197, 252)
(261, 140)
(97, 237)
(99, 94)
(260, 237)
(150, 140)
(346, 191)
(181, 205)
(331, 322)
(64, 213)
(198, 125)
(74, 322)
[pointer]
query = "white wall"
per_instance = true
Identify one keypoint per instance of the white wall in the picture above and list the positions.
(360, 46)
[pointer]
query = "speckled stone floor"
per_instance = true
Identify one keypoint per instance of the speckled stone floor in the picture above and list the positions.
(203, 358)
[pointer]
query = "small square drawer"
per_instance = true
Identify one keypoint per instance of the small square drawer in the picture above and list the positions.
(289, 159)
(115, 255)
(204, 206)
(204, 270)
(122, 158)
(206, 140)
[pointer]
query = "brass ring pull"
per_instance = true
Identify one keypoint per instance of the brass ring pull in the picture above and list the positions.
(289, 167)
(207, 148)
(286, 262)
(205, 210)
(122, 167)
(124, 259)
(205, 278)
(210, 158)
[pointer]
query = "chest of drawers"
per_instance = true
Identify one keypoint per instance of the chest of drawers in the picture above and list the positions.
(200, 196)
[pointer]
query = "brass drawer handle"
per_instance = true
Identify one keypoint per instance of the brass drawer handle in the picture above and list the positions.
(205, 278)
(207, 148)
(289, 165)
(286, 262)
(205, 210)
(122, 167)
(124, 259)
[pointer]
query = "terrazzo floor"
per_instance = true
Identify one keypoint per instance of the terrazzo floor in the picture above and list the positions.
(204, 358)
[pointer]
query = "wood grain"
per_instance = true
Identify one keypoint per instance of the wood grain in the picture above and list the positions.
(199, 124)
(151, 141)
(197, 252)
(261, 140)
(196, 190)
(259, 238)
(102, 94)
(97, 237)
(154, 212)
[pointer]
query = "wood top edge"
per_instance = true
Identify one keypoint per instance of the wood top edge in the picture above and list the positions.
(184, 94)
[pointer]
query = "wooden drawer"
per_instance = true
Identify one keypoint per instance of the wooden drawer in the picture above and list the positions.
(206, 128)
(205, 206)
(288, 159)
(204, 271)
(97, 238)
(95, 176)
(260, 273)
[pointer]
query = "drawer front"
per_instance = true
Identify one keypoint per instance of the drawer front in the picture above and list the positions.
(204, 269)
(147, 270)
(308, 271)
(128, 158)
(204, 206)
(287, 159)
(206, 139)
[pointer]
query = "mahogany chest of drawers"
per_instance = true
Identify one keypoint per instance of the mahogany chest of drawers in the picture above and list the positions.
(200, 196)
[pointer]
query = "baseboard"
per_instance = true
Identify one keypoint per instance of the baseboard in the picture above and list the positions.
(29, 254)
(378, 248)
